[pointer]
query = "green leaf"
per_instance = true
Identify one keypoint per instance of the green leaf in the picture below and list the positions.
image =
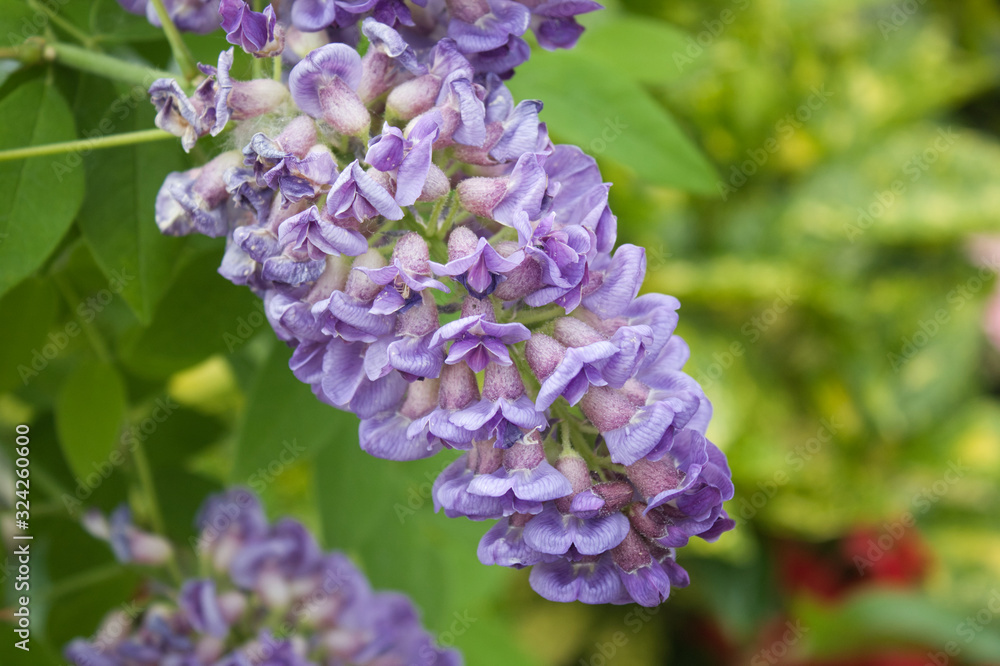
(608, 115)
(283, 421)
(640, 48)
(40, 196)
(26, 314)
(89, 415)
(381, 512)
(117, 215)
(199, 316)
(876, 618)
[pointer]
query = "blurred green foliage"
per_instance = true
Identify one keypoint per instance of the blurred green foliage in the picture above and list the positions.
(808, 177)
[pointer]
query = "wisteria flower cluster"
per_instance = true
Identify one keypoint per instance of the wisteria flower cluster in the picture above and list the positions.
(451, 277)
(269, 596)
(489, 33)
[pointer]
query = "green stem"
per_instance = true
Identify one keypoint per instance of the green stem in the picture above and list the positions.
(80, 145)
(180, 50)
(93, 335)
(277, 68)
(149, 491)
(103, 65)
(540, 316)
(67, 27)
(82, 581)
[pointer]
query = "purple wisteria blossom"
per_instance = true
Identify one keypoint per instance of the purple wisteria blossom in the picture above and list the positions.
(477, 339)
(452, 277)
(201, 16)
(259, 581)
(257, 33)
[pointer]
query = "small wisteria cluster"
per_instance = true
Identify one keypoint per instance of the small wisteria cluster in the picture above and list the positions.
(452, 279)
(269, 596)
(489, 33)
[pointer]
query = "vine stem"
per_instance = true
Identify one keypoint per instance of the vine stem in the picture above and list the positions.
(180, 50)
(149, 491)
(113, 141)
(102, 65)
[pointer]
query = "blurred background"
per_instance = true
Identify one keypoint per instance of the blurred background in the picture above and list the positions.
(816, 180)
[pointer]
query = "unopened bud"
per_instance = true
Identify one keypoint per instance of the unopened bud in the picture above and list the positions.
(481, 195)
(411, 254)
(574, 333)
(544, 354)
(458, 386)
(607, 408)
(359, 285)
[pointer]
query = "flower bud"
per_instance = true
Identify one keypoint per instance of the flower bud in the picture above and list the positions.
(651, 478)
(469, 11)
(150, 549)
(574, 333)
(421, 319)
(436, 186)
(359, 285)
(603, 499)
(253, 98)
(472, 306)
(298, 136)
(631, 553)
(523, 280)
(461, 243)
(649, 525)
(458, 386)
(607, 408)
(481, 195)
(485, 458)
(411, 254)
(502, 381)
(421, 398)
(544, 354)
(411, 98)
(526, 453)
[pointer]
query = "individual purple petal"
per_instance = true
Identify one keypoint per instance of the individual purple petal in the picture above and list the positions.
(591, 580)
(197, 600)
(310, 233)
(491, 30)
(254, 32)
(621, 282)
(504, 545)
(324, 84)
